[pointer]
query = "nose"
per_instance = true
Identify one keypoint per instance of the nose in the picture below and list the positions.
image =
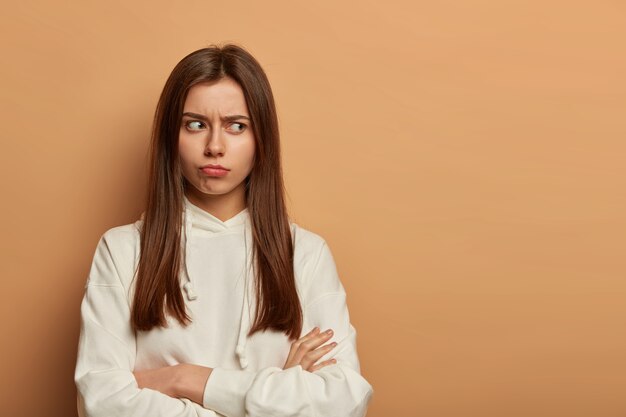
(215, 143)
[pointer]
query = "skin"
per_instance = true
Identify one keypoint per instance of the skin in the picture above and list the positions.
(215, 129)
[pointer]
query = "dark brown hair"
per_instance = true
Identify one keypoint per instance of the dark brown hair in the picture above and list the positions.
(158, 291)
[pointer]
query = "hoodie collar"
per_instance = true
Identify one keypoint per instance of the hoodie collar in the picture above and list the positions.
(203, 220)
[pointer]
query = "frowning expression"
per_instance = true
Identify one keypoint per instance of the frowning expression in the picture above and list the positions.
(216, 143)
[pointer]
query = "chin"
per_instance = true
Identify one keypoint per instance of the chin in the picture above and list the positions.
(214, 192)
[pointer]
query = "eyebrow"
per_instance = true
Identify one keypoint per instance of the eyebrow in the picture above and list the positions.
(228, 118)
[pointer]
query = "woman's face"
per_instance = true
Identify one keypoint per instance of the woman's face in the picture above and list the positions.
(215, 130)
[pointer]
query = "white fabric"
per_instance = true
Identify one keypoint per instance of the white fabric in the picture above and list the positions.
(217, 282)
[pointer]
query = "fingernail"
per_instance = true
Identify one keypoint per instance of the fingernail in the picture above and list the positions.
(329, 331)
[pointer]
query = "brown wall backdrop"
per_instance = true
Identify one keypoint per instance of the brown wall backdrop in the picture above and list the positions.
(464, 159)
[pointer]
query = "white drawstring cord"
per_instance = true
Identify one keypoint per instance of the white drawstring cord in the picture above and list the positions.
(240, 350)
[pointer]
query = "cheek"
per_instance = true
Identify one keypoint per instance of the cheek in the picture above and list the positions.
(185, 153)
(251, 151)
(251, 155)
(244, 154)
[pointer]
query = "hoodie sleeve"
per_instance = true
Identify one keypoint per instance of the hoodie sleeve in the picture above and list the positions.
(106, 353)
(337, 390)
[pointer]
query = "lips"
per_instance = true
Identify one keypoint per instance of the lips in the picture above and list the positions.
(212, 166)
(214, 170)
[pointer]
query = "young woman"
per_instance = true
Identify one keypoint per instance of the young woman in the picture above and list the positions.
(213, 303)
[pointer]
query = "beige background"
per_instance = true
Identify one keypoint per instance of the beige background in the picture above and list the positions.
(464, 160)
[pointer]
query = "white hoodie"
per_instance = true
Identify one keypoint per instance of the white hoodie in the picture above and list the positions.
(217, 280)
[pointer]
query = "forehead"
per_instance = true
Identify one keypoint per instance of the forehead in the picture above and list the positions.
(224, 96)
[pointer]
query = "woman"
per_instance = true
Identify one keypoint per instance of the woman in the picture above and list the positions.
(213, 302)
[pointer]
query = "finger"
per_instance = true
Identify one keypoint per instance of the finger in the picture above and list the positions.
(295, 346)
(307, 336)
(320, 365)
(315, 355)
(314, 330)
(314, 342)
(302, 348)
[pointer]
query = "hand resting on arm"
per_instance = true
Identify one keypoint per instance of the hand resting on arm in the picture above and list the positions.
(188, 380)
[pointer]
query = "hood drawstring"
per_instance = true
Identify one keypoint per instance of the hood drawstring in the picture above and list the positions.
(246, 308)
(187, 222)
(248, 276)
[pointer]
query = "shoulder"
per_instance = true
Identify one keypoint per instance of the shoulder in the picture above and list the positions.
(122, 238)
(116, 256)
(314, 265)
(307, 244)
(122, 242)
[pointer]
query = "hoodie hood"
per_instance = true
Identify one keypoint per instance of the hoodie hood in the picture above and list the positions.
(204, 222)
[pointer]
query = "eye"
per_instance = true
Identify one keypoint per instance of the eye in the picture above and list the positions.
(194, 125)
(237, 127)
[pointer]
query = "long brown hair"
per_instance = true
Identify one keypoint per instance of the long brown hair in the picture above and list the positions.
(158, 291)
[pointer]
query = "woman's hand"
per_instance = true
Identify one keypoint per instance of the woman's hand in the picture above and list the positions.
(305, 351)
(184, 380)
(160, 379)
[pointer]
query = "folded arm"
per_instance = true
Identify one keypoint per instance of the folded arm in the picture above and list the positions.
(107, 347)
(106, 354)
(337, 390)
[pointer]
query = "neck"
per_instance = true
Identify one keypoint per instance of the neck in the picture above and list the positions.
(222, 206)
